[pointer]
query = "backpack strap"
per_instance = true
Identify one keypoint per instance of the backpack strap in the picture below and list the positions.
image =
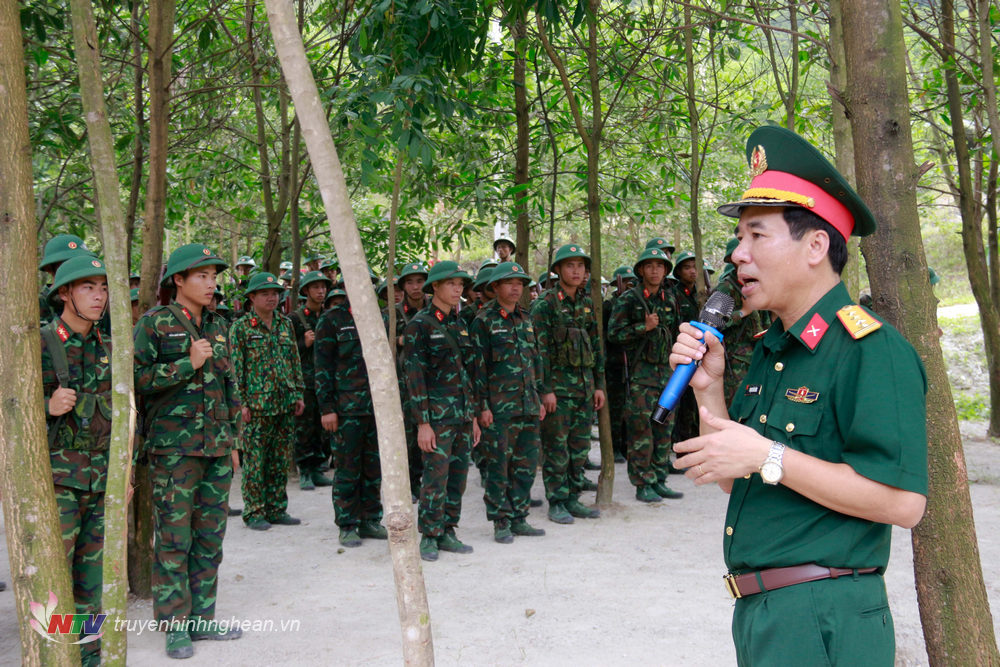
(184, 320)
(57, 351)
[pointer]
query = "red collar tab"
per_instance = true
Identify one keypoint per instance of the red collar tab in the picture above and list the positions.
(253, 321)
(814, 331)
(187, 314)
(98, 332)
(645, 292)
(406, 307)
(759, 334)
(503, 313)
(306, 311)
(561, 295)
(63, 333)
(438, 314)
(687, 291)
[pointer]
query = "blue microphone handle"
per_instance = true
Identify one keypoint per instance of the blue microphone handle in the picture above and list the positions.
(679, 380)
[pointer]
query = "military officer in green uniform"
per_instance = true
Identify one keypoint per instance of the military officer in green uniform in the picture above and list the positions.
(741, 327)
(505, 338)
(442, 369)
(311, 443)
(268, 372)
(644, 321)
(190, 415)
(59, 248)
(76, 382)
(572, 382)
(825, 446)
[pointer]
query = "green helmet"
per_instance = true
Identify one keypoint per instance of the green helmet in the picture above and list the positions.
(188, 257)
(261, 281)
(314, 277)
(286, 275)
(729, 269)
(661, 243)
(625, 272)
(382, 289)
(75, 268)
(708, 267)
(546, 276)
(133, 294)
(328, 264)
(933, 276)
(652, 253)
(483, 277)
(246, 260)
(681, 258)
(60, 248)
(412, 269)
(569, 251)
(134, 276)
(312, 258)
(285, 266)
(443, 271)
(730, 248)
(508, 270)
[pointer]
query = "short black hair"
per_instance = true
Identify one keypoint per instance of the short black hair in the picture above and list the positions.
(800, 220)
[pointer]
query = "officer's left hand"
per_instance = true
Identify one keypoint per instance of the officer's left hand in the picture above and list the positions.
(485, 418)
(300, 407)
(541, 412)
(732, 451)
(476, 433)
(598, 399)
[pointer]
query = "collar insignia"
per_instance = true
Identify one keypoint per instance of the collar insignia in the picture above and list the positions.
(503, 313)
(306, 311)
(814, 331)
(857, 321)
(63, 334)
(438, 314)
(801, 395)
(759, 334)
(253, 321)
(187, 314)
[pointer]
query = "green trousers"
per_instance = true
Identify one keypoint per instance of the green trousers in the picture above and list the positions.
(566, 443)
(510, 451)
(266, 441)
(357, 472)
(649, 442)
(443, 481)
(81, 520)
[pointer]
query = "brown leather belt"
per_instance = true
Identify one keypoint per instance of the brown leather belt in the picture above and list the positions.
(742, 585)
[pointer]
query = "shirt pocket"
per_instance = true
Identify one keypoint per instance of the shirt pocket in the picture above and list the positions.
(172, 348)
(798, 424)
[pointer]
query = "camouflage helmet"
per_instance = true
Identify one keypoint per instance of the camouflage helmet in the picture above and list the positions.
(188, 257)
(569, 251)
(314, 277)
(443, 271)
(651, 254)
(60, 248)
(506, 270)
(261, 281)
(661, 243)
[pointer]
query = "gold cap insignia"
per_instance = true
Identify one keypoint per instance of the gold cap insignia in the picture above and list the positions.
(206, 251)
(758, 161)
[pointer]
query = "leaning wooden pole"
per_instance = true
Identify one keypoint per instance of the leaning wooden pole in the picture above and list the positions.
(114, 601)
(411, 595)
(31, 521)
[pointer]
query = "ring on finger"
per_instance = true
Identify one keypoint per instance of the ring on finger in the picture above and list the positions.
(701, 471)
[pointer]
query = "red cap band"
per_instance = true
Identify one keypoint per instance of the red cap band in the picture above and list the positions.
(783, 186)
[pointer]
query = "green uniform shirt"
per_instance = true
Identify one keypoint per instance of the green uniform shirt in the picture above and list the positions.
(687, 301)
(266, 364)
(566, 331)
(79, 454)
(648, 351)
(820, 391)
(506, 342)
(341, 373)
(200, 418)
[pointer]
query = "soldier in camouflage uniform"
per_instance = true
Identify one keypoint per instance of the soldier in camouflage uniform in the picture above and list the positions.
(644, 321)
(78, 418)
(685, 292)
(572, 382)
(311, 443)
(480, 287)
(345, 406)
(615, 367)
(57, 250)
(268, 372)
(190, 415)
(442, 367)
(505, 338)
(740, 328)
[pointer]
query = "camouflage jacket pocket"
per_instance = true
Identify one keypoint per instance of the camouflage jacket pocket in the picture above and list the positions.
(172, 347)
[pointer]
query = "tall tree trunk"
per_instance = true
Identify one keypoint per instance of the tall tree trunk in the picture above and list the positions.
(37, 557)
(390, 277)
(411, 595)
(555, 173)
(694, 148)
(114, 599)
(954, 609)
(519, 32)
(138, 149)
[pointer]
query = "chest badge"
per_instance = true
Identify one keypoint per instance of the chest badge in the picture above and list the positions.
(219, 338)
(801, 395)
(104, 360)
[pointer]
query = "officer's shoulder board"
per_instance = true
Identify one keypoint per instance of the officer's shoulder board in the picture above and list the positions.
(858, 321)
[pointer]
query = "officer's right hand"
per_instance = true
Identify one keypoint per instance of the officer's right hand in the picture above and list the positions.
(652, 321)
(329, 422)
(691, 346)
(549, 403)
(426, 440)
(310, 337)
(201, 350)
(62, 401)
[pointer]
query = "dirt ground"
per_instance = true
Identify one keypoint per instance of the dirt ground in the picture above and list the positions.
(640, 585)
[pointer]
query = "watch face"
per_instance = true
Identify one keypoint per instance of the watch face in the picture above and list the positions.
(771, 472)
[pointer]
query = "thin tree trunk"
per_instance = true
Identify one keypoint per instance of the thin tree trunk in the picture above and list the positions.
(114, 599)
(390, 278)
(138, 150)
(411, 595)
(31, 520)
(518, 32)
(954, 609)
(555, 173)
(695, 164)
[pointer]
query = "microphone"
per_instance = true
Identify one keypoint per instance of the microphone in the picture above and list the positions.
(718, 307)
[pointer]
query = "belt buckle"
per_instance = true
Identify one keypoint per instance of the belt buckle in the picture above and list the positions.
(731, 586)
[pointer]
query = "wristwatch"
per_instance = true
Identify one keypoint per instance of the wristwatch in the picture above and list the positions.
(770, 470)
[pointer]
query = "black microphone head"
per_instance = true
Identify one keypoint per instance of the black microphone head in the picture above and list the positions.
(718, 307)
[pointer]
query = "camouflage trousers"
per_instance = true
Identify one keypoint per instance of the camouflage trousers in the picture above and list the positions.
(266, 440)
(357, 472)
(510, 452)
(443, 482)
(190, 505)
(649, 442)
(565, 436)
(686, 423)
(311, 442)
(617, 392)
(81, 521)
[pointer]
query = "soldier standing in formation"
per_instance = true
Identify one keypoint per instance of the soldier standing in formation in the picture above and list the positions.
(504, 248)
(59, 248)
(345, 406)
(183, 371)
(76, 382)
(505, 339)
(616, 366)
(311, 450)
(269, 376)
(442, 368)
(572, 382)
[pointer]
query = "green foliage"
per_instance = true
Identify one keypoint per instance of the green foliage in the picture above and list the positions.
(974, 407)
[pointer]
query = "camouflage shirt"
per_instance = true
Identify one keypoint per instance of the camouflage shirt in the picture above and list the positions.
(266, 364)
(687, 302)
(341, 373)
(566, 333)
(79, 454)
(45, 311)
(648, 351)
(200, 417)
(441, 367)
(303, 320)
(506, 343)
